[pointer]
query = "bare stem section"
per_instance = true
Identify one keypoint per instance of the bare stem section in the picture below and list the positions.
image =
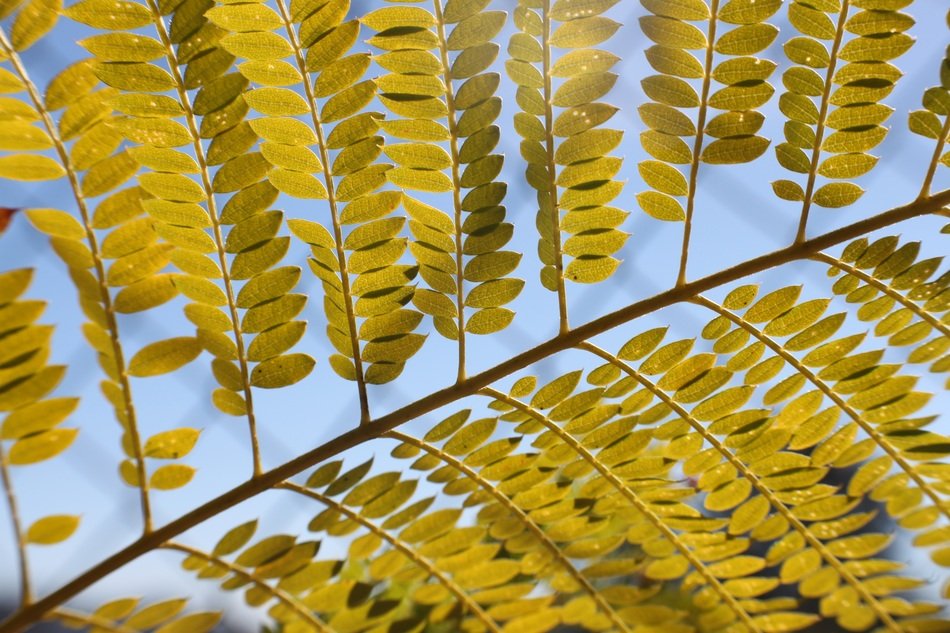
(26, 594)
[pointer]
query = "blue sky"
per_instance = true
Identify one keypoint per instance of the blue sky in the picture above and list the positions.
(737, 217)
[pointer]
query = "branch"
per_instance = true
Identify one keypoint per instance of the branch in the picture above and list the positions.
(279, 594)
(130, 423)
(698, 143)
(185, 101)
(833, 561)
(25, 593)
(522, 516)
(641, 506)
(408, 550)
(886, 289)
(470, 386)
(810, 376)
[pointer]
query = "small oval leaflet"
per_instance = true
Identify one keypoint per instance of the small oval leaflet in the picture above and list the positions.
(52, 529)
(282, 371)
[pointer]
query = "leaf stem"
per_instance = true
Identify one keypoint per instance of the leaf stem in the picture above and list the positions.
(456, 183)
(277, 593)
(174, 67)
(522, 516)
(810, 376)
(26, 594)
(364, 433)
(698, 144)
(130, 423)
(822, 115)
(96, 623)
(935, 160)
(549, 148)
(671, 536)
(334, 212)
(766, 492)
(407, 549)
(886, 289)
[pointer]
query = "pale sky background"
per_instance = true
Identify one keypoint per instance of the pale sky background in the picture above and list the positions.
(737, 217)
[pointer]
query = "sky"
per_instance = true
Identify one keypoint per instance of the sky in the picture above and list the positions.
(737, 217)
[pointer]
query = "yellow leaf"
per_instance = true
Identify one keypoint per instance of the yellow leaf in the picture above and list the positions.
(52, 529)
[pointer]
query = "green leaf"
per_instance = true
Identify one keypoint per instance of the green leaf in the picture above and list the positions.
(191, 623)
(36, 417)
(123, 47)
(164, 356)
(52, 529)
(34, 21)
(788, 190)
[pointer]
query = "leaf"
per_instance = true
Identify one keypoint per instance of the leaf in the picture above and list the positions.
(120, 15)
(56, 223)
(584, 33)
(191, 623)
(661, 206)
(164, 356)
(171, 444)
(29, 167)
(42, 446)
(52, 529)
(729, 151)
(837, 194)
(235, 539)
(282, 371)
(171, 476)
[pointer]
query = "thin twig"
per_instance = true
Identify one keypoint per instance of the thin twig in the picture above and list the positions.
(741, 467)
(353, 332)
(26, 594)
(183, 98)
(407, 549)
(822, 116)
(456, 183)
(551, 166)
(130, 423)
(826, 389)
(943, 328)
(279, 594)
(96, 623)
(698, 143)
(671, 536)
(935, 160)
(522, 516)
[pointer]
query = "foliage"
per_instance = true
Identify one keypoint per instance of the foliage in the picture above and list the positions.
(726, 481)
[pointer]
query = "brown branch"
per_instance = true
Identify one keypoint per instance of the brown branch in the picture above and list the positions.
(470, 386)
